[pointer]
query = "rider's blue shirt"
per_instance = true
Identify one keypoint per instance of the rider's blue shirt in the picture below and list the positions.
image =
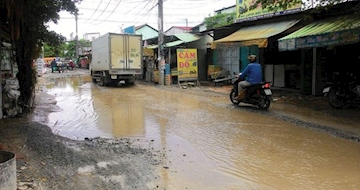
(253, 72)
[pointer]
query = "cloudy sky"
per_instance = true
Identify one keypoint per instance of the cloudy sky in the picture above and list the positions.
(111, 15)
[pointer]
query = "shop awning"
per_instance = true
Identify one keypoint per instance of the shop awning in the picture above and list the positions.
(335, 31)
(175, 43)
(152, 46)
(255, 35)
(187, 37)
(183, 38)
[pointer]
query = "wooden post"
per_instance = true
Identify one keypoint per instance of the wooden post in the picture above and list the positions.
(1, 106)
(314, 72)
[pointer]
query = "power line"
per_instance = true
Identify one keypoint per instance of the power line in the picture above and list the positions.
(132, 8)
(142, 10)
(128, 22)
(113, 3)
(103, 11)
(94, 11)
(149, 11)
(111, 12)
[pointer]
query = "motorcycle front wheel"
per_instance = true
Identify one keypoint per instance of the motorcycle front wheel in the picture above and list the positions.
(335, 100)
(233, 99)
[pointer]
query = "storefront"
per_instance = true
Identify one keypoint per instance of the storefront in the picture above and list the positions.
(326, 46)
(232, 51)
(170, 54)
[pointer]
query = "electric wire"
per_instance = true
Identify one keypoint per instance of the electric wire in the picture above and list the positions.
(148, 11)
(127, 12)
(103, 11)
(137, 14)
(111, 12)
(146, 21)
(94, 12)
(168, 6)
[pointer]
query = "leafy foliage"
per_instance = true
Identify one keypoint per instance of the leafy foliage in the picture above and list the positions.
(54, 51)
(26, 21)
(275, 5)
(65, 49)
(220, 20)
(315, 5)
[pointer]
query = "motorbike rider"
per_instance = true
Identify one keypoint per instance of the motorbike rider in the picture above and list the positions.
(253, 73)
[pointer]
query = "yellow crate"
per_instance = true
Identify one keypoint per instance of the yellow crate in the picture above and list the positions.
(213, 69)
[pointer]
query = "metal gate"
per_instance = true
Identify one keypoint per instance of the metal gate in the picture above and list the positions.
(228, 58)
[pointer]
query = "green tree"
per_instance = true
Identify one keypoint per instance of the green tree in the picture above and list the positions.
(49, 51)
(70, 47)
(26, 20)
(220, 20)
(54, 51)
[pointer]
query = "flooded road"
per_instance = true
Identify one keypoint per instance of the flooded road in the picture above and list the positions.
(207, 143)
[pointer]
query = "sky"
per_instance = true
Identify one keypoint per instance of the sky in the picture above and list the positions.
(105, 16)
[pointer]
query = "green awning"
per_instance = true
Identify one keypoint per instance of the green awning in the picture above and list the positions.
(255, 35)
(183, 38)
(175, 43)
(187, 37)
(152, 46)
(335, 31)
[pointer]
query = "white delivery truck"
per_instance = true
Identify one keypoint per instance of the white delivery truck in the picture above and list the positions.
(116, 58)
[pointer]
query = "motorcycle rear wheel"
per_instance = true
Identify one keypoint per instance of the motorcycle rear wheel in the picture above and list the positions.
(264, 103)
(233, 99)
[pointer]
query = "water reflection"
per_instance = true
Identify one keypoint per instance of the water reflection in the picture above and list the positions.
(92, 111)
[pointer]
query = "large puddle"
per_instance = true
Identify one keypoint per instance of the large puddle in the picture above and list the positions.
(207, 146)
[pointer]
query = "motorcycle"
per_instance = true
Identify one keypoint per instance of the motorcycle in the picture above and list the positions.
(259, 95)
(343, 91)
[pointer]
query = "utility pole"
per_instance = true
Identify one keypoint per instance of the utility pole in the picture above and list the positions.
(161, 59)
(76, 37)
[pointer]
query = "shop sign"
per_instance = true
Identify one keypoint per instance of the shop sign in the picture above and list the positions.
(334, 38)
(187, 64)
(243, 12)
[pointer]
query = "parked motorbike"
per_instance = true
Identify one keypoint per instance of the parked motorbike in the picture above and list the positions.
(259, 95)
(343, 91)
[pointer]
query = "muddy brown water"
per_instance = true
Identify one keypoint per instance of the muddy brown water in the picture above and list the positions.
(206, 146)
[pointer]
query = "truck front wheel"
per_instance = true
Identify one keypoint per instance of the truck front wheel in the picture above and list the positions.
(102, 81)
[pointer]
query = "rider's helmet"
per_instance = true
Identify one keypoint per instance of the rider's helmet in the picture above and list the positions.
(252, 58)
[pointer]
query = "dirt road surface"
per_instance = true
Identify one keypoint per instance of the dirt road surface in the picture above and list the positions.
(193, 141)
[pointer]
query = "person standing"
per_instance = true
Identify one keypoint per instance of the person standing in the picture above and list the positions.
(53, 65)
